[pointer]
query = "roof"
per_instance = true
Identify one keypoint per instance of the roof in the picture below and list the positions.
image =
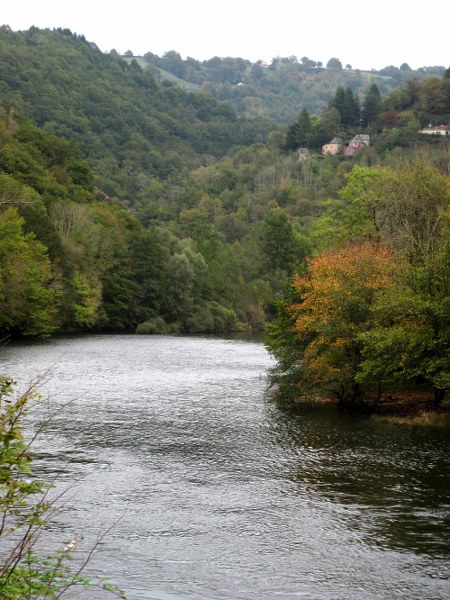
(440, 127)
(361, 138)
(336, 141)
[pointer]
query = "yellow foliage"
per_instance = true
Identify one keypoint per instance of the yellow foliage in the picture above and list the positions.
(336, 297)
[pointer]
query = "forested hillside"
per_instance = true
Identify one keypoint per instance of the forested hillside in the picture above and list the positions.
(281, 89)
(368, 313)
(73, 259)
(400, 119)
(132, 130)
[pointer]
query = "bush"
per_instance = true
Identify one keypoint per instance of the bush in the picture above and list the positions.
(201, 321)
(152, 326)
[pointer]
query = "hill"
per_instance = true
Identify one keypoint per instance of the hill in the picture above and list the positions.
(279, 90)
(218, 223)
(132, 129)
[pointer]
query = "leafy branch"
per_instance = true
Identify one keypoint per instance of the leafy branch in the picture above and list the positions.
(26, 508)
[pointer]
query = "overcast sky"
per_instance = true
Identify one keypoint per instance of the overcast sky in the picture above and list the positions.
(363, 34)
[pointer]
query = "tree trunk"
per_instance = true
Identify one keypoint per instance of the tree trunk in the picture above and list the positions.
(438, 397)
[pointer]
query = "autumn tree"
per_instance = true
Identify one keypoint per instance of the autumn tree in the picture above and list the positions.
(407, 210)
(334, 307)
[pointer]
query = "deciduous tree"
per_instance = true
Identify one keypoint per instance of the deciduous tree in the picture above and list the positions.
(336, 298)
(27, 300)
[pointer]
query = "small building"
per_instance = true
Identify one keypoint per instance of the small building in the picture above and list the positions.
(361, 138)
(303, 154)
(360, 141)
(336, 146)
(435, 130)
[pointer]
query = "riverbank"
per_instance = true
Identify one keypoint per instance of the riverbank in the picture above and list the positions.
(414, 409)
(408, 408)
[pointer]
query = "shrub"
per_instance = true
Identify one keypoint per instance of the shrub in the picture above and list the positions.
(152, 326)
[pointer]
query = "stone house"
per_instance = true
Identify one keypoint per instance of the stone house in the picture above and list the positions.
(303, 154)
(360, 141)
(336, 146)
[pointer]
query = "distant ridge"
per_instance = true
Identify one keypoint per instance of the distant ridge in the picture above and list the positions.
(278, 91)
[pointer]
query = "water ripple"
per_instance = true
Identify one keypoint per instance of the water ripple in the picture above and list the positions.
(221, 493)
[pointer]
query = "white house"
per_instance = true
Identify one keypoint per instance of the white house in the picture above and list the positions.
(435, 130)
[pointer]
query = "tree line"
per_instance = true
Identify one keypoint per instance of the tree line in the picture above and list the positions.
(194, 260)
(277, 89)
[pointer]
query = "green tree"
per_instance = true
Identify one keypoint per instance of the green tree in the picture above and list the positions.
(371, 107)
(330, 123)
(278, 242)
(305, 127)
(411, 341)
(179, 300)
(27, 300)
(347, 103)
(172, 61)
(334, 63)
(433, 96)
(150, 255)
(299, 134)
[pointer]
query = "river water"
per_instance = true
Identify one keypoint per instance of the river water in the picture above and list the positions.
(222, 494)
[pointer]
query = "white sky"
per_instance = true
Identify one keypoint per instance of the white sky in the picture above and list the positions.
(364, 34)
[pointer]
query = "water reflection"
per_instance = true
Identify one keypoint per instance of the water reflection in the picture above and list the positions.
(394, 480)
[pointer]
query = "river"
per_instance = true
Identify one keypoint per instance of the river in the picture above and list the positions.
(222, 494)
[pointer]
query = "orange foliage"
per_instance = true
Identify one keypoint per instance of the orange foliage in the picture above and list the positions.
(336, 299)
